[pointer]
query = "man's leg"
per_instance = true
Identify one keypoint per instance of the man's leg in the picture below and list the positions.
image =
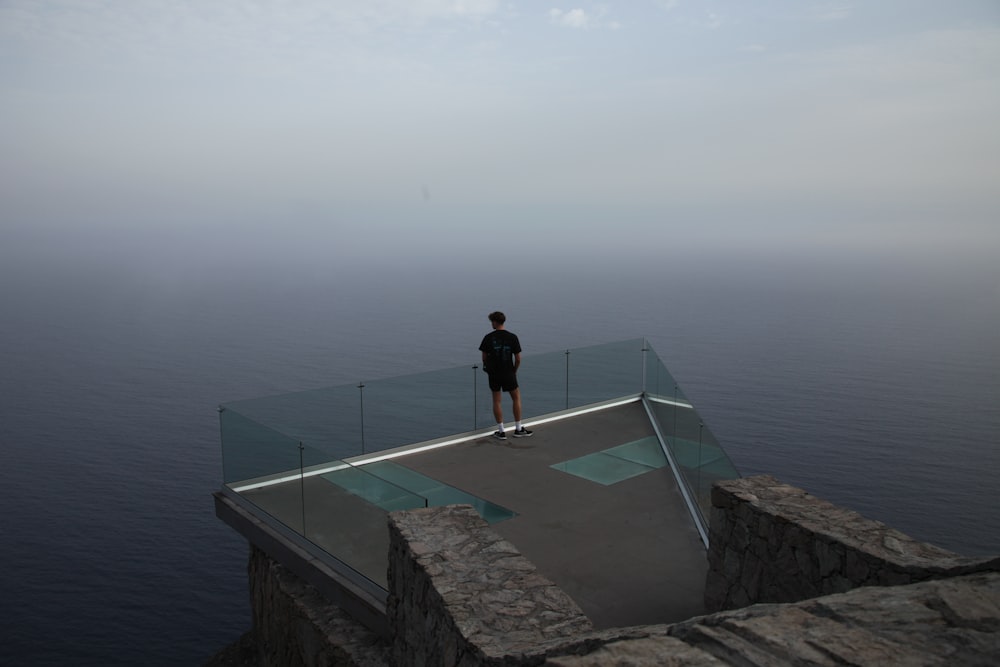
(515, 396)
(498, 407)
(519, 430)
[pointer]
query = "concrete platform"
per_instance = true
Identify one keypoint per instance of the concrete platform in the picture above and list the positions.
(627, 552)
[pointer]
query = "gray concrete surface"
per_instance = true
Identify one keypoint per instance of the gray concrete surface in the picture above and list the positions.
(627, 553)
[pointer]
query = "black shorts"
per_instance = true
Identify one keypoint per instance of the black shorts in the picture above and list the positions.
(503, 381)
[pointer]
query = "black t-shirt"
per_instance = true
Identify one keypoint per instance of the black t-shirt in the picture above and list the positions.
(500, 347)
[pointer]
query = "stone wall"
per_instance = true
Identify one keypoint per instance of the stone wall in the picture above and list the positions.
(459, 594)
(946, 622)
(293, 624)
(770, 542)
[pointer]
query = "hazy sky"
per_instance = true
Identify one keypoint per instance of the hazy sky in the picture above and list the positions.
(442, 126)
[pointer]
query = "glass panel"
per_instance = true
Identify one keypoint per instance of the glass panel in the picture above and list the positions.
(602, 468)
(646, 452)
(617, 463)
(345, 515)
(660, 384)
(376, 490)
(328, 418)
(713, 465)
(543, 378)
(699, 457)
(573, 378)
(276, 487)
(605, 372)
(436, 493)
(414, 408)
(251, 450)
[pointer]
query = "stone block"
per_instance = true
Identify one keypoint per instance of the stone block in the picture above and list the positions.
(645, 652)
(295, 624)
(829, 557)
(488, 603)
(722, 497)
(807, 546)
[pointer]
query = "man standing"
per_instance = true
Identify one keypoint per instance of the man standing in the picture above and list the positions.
(501, 359)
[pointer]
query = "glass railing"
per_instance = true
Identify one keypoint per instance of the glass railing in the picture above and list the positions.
(372, 416)
(293, 455)
(697, 455)
(337, 506)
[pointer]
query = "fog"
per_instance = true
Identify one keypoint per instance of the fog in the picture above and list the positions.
(378, 134)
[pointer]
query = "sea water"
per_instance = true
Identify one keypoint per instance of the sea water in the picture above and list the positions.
(873, 384)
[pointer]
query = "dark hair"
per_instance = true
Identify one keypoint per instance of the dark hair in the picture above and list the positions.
(498, 317)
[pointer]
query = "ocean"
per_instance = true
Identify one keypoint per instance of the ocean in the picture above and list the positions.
(870, 381)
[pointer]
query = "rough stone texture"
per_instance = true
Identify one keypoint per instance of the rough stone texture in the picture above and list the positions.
(945, 622)
(241, 653)
(653, 650)
(295, 625)
(771, 542)
(459, 594)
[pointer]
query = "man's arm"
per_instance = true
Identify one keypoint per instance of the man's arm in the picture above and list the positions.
(517, 361)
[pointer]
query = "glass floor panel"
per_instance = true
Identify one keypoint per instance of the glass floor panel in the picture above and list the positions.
(687, 454)
(646, 452)
(392, 486)
(617, 463)
(378, 492)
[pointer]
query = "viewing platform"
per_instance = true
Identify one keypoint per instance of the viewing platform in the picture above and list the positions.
(609, 498)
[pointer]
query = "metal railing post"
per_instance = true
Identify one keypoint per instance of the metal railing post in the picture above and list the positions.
(645, 349)
(361, 393)
(567, 379)
(302, 486)
(475, 397)
(701, 425)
